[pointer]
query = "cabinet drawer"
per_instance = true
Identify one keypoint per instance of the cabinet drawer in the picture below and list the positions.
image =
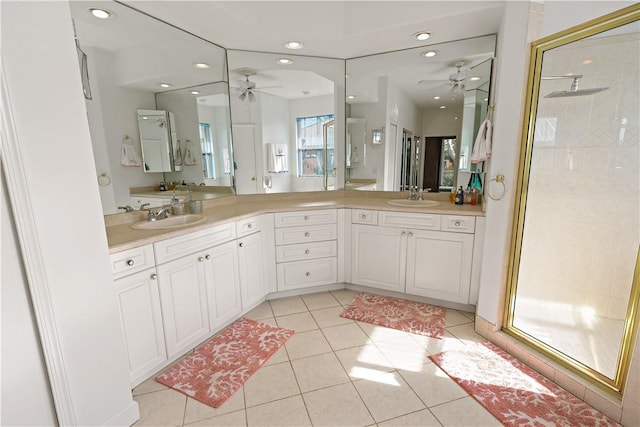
(167, 250)
(364, 216)
(247, 226)
(302, 274)
(410, 220)
(131, 261)
(288, 219)
(315, 233)
(304, 251)
(458, 224)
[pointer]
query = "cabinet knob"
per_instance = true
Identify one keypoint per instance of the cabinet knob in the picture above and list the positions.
(207, 256)
(410, 234)
(241, 245)
(154, 276)
(403, 233)
(308, 274)
(307, 252)
(457, 223)
(249, 225)
(306, 217)
(363, 216)
(307, 234)
(130, 262)
(201, 259)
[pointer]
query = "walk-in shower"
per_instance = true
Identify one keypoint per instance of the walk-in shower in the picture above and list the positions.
(573, 91)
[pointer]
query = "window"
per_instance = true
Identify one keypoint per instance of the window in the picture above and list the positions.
(208, 156)
(447, 163)
(314, 135)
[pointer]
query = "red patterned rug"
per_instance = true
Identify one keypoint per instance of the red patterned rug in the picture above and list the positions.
(514, 393)
(219, 367)
(394, 313)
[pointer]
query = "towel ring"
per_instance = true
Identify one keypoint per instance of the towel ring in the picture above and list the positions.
(498, 179)
(104, 179)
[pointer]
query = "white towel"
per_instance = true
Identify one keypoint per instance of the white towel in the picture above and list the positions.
(482, 146)
(190, 153)
(129, 155)
(277, 161)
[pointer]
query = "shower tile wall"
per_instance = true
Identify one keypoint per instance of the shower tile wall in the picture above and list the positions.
(584, 190)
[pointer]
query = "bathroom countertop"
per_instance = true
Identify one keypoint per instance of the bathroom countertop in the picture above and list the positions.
(121, 236)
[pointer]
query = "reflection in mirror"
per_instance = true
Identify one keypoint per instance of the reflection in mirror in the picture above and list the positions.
(129, 56)
(160, 151)
(202, 115)
(574, 285)
(416, 99)
(287, 121)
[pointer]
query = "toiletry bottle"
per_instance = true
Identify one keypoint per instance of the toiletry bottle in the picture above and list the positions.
(162, 186)
(460, 196)
(452, 195)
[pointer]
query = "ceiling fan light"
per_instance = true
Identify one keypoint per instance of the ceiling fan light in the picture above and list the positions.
(252, 97)
(242, 96)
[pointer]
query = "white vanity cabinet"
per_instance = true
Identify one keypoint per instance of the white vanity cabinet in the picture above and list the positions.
(251, 259)
(192, 272)
(410, 253)
(140, 312)
(306, 248)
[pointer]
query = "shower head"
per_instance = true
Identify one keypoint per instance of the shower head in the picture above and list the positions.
(573, 91)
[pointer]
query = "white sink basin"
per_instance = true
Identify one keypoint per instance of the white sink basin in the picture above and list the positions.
(170, 222)
(414, 203)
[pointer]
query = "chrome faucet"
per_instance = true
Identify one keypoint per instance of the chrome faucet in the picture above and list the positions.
(161, 214)
(126, 208)
(142, 206)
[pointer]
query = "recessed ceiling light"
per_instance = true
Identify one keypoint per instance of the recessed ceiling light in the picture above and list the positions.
(195, 92)
(293, 45)
(422, 35)
(429, 53)
(587, 61)
(284, 61)
(201, 65)
(474, 78)
(101, 13)
(351, 97)
(165, 85)
(436, 97)
(443, 107)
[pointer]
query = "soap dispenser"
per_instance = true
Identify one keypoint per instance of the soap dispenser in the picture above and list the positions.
(163, 187)
(460, 196)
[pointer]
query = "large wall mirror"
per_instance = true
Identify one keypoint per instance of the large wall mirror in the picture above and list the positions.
(288, 122)
(413, 115)
(574, 280)
(126, 57)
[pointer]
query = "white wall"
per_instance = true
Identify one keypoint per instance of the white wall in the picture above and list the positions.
(112, 115)
(43, 79)
(25, 397)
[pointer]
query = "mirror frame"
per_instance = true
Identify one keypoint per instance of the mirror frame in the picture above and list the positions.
(538, 48)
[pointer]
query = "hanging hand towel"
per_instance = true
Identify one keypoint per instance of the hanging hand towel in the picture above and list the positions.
(189, 153)
(129, 155)
(482, 146)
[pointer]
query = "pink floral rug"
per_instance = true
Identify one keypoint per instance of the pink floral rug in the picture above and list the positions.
(514, 393)
(394, 313)
(219, 367)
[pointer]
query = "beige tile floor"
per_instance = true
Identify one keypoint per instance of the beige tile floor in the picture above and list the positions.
(334, 372)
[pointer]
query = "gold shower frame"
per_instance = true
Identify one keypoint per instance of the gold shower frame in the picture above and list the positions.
(613, 385)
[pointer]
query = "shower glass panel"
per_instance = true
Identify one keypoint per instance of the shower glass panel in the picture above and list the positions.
(575, 255)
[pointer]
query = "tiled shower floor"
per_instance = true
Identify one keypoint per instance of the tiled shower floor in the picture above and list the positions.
(334, 372)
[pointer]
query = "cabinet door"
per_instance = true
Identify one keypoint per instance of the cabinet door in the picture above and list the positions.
(222, 274)
(141, 319)
(252, 278)
(439, 265)
(184, 302)
(378, 257)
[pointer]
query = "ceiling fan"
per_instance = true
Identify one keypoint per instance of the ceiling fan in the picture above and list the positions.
(457, 81)
(246, 88)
